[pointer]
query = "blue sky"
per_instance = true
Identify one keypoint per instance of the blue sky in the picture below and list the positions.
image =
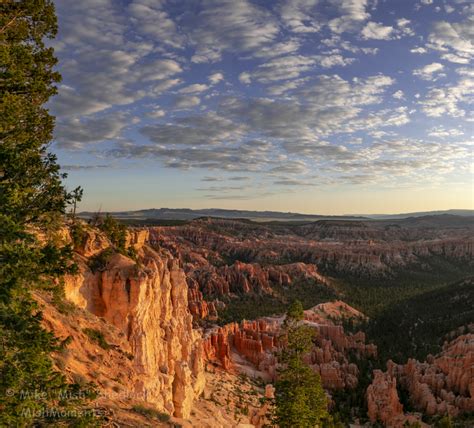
(322, 106)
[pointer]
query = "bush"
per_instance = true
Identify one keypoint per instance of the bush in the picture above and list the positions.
(98, 263)
(78, 235)
(60, 302)
(115, 231)
(151, 412)
(96, 336)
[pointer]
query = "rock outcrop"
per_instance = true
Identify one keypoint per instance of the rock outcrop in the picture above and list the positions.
(148, 302)
(383, 403)
(443, 385)
(258, 342)
(178, 276)
(330, 356)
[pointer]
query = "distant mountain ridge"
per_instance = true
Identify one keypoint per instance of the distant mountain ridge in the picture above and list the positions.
(462, 213)
(190, 214)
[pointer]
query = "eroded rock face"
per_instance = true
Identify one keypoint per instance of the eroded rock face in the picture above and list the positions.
(216, 242)
(258, 342)
(92, 243)
(443, 384)
(330, 356)
(229, 257)
(383, 403)
(248, 277)
(148, 302)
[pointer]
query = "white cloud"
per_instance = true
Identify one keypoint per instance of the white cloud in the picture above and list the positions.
(245, 78)
(429, 71)
(300, 15)
(403, 22)
(448, 8)
(249, 156)
(74, 133)
(208, 129)
(215, 78)
(277, 49)
(228, 25)
(353, 14)
(404, 27)
(442, 132)
(162, 86)
(454, 36)
(124, 60)
(194, 88)
(448, 100)
(374, 30)
(455, 58)
(184, 102)
(465, 71)
(150, 19)
(284, 87)
(157, 69)
(329, 61)
(399, 95)
(281, 68)
(156, 113)
(418, 50)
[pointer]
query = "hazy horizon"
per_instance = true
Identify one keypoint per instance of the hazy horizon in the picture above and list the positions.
(282, 212)
(326, 106)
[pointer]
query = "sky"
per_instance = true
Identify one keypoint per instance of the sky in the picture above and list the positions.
(313, 106)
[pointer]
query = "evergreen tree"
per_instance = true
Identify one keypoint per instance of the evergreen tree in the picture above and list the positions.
(32, 201)
(299, 397)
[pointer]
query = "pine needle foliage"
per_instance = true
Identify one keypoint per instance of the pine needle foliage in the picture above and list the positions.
(32, 203)
(300, 401)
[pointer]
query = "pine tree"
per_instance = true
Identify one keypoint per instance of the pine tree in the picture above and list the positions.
(32, 202)
(299, 397)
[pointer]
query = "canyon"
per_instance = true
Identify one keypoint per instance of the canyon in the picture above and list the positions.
(159, 306)
(225, 258)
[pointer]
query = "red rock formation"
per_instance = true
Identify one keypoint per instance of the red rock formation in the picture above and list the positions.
(443, 384)
(207, 249)
(382, 400)
(248, 277)
(148, 303)
(199, 307)
(257, 341)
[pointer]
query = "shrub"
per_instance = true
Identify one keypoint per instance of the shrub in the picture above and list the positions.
(115, 231)
(78, 234)
(151, 412)
(98, 263)
(97, 336)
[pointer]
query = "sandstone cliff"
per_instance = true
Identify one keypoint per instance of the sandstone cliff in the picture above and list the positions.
(147, 301)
